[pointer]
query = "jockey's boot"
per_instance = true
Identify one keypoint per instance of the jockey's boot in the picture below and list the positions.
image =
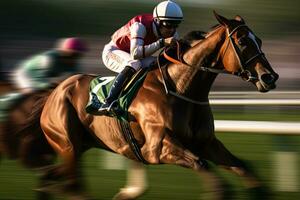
(93, 104)
(121, 79)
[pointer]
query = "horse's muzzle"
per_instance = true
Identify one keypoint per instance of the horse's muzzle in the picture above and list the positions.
(266, 81)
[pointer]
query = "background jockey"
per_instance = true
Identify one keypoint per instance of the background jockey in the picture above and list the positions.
(132, 45)
(39, 71)
(42, 70)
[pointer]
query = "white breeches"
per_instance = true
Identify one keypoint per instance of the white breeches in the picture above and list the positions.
(21, 81)
(116, 59)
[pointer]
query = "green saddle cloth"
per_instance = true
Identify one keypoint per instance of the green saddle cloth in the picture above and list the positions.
(100, 87)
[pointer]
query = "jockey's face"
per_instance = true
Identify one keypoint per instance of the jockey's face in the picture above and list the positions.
(167, 29)
(70, 58)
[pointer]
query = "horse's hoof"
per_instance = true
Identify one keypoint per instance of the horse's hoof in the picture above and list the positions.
(130, 193)
(43, 196)
(121, 196)
(80, 197)
(60, 191)
(260, 193)
(54, 188)
(224, 194)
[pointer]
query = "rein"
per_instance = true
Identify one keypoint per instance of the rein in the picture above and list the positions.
(180, 61)
(165, 84)
(244, 73)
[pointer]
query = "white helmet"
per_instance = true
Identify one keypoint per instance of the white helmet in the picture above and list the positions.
(168, 11)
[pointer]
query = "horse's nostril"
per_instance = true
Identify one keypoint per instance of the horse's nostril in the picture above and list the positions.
(267, 78)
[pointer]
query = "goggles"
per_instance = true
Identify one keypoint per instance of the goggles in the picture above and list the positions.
(170, 24)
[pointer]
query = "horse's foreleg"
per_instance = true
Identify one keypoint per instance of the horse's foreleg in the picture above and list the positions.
(136, 182)
(217, 153)
(46, 178)
(66, 140)
(173, 153)
(65, 178)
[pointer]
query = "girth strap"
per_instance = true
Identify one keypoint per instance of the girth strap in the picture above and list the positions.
(129, 137)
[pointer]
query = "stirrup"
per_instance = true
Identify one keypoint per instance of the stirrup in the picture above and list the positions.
(107, 108)
(93, 105)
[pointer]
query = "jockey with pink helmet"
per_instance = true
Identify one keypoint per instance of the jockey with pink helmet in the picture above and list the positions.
(72, 45)
(131, 46)
(38, 71)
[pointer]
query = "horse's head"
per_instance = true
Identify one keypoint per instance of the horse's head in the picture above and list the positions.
(241, 54)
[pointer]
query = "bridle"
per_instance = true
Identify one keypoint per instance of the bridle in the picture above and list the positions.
(244, 73)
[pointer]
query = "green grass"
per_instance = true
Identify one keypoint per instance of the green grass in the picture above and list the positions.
(166, 182)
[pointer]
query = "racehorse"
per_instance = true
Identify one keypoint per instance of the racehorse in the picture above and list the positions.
(17, 141)
(169, 128)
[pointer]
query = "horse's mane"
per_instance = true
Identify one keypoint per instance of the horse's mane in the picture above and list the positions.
(186, 41)
(184, 44)
(192, 36)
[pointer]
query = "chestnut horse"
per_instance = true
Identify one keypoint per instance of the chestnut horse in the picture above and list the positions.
(22, 139)
(169, 128)
(16, 140)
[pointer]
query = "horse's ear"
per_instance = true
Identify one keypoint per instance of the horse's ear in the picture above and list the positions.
(222, 20)
(239, 18)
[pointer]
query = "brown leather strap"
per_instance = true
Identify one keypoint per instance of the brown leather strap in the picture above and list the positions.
(169, 58)
(173, 60)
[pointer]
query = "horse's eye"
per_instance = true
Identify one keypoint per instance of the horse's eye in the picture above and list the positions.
(242, 41)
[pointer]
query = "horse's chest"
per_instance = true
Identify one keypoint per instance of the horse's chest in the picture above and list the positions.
(192, 123)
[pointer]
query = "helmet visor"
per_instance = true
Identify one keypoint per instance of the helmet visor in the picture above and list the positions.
(170, 23)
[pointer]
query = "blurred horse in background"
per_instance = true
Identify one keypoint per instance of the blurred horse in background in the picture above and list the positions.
(29, 146)
(5, 87)
(169, 128)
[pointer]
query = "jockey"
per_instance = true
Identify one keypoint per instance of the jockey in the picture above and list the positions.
(39, 71)
(42, 70)
(132, 45)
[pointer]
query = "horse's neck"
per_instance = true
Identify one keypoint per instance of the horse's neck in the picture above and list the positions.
(188, 78)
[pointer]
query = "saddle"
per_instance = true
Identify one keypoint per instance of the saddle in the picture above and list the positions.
(100, 87)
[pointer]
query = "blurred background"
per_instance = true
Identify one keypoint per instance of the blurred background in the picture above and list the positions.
(31, 26)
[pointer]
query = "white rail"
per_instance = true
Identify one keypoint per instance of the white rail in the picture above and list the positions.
(257, 102)
(254, 93)
(263, 127)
